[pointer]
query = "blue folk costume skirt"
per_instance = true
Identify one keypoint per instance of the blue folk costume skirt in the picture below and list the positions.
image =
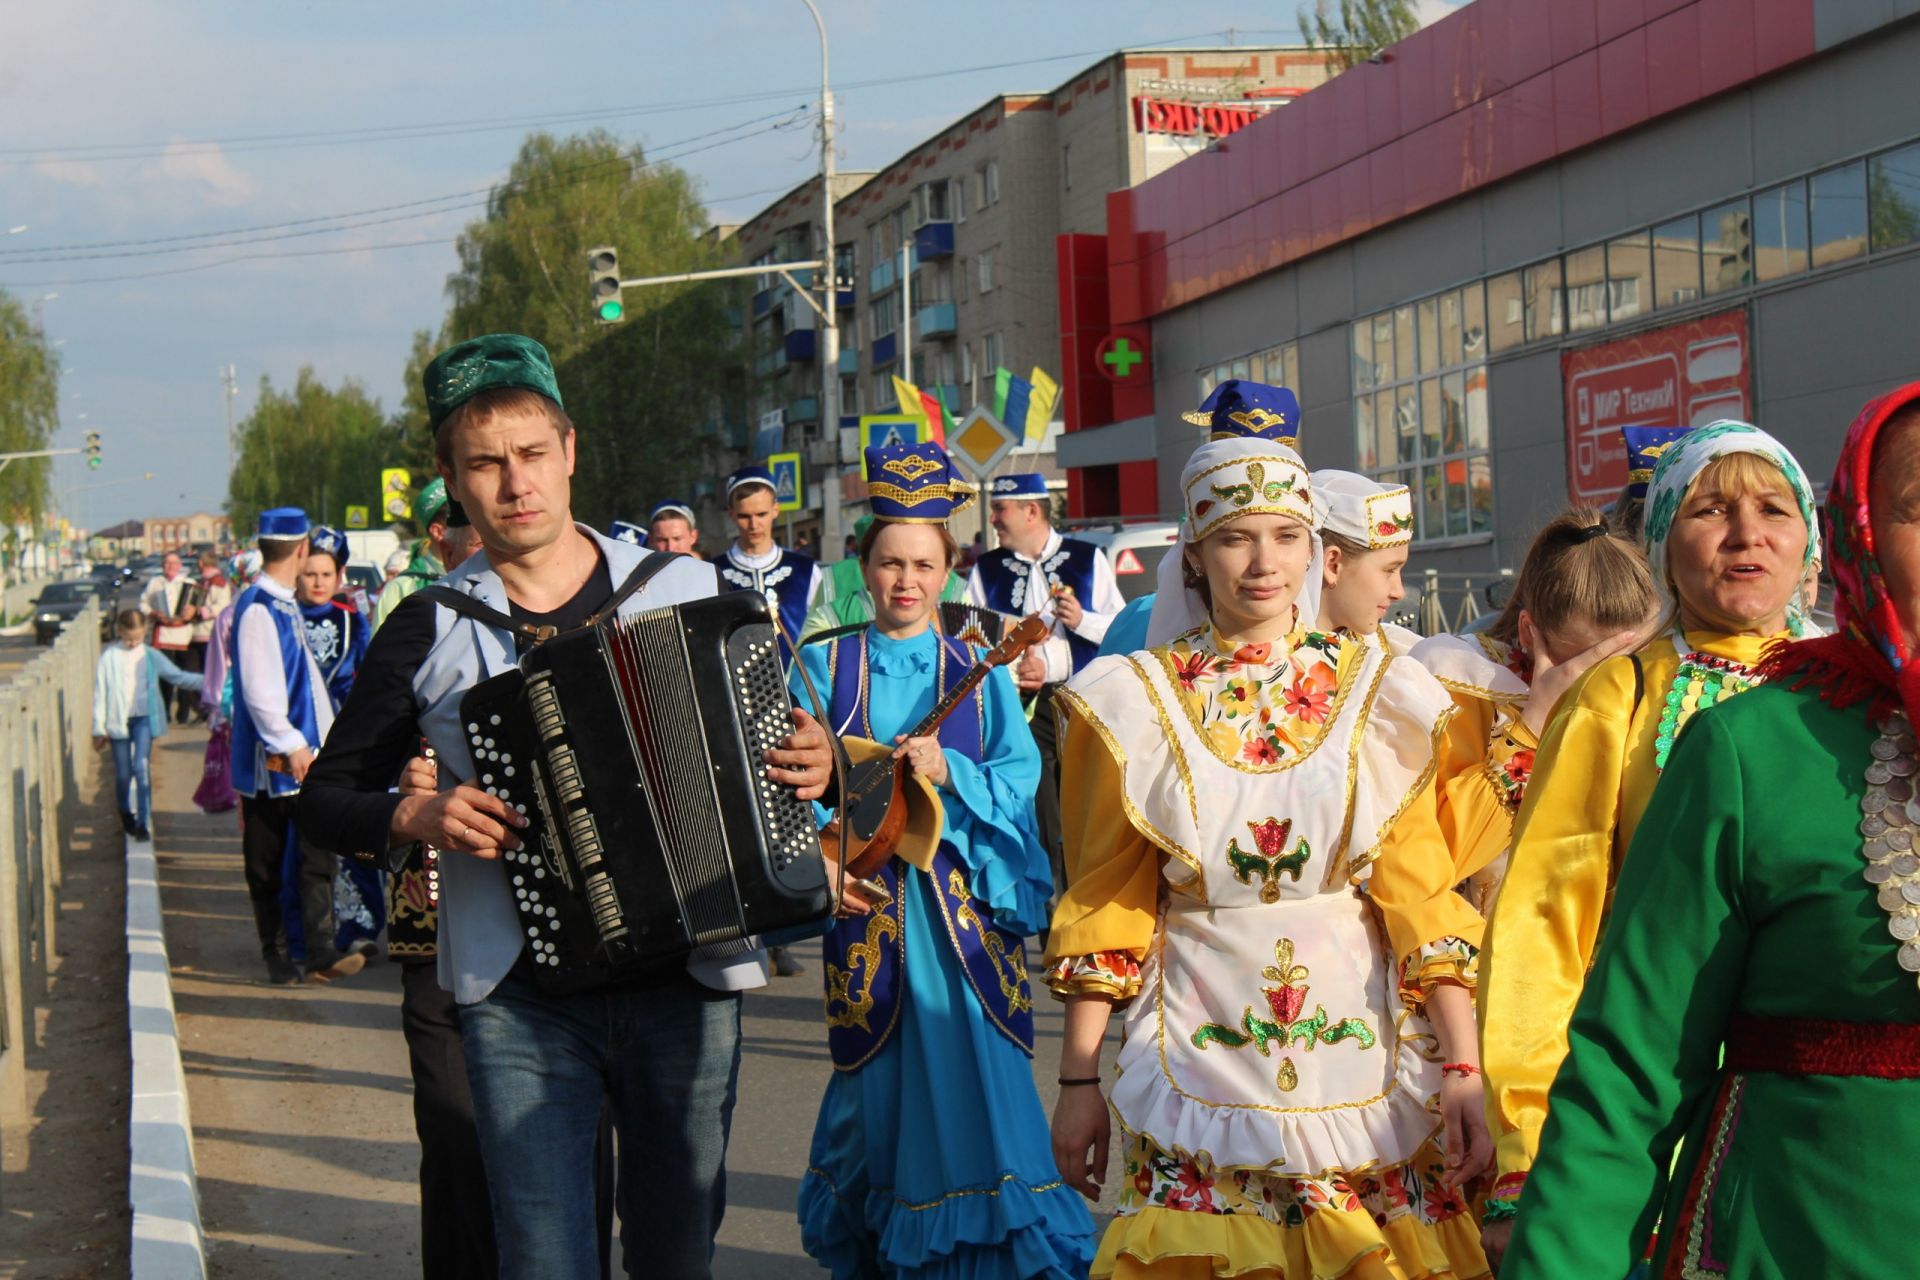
(932, 1156)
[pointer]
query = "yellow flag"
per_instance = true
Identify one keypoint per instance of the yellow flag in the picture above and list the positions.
(1040, 404)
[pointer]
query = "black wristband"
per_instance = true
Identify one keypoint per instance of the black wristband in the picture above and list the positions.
(1081, 1080)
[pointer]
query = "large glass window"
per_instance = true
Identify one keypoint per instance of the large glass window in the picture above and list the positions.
(1420, 404)
(1780, 231)
(1837, 206)
(1586, 286)
(1726, 246)
(1279, 366)
(1506, 310)
(1540, 289)
(1676, 262)
(1629, 277)
(1893, 198)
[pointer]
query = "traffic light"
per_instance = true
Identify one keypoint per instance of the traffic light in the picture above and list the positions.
(394, 503)
(93, 450)
(603, 275)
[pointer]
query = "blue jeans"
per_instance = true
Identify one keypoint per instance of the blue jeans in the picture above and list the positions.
(132, 772)
(540, 1068)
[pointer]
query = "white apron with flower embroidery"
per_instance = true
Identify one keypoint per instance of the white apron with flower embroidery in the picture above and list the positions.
(1269, 1033)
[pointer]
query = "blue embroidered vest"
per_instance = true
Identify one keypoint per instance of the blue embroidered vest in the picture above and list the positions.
(250, 773)
(332, 635)
(866, 956)
(1005, 580)
(786, 585)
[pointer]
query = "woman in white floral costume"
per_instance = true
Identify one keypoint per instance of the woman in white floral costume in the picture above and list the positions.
(1256, 874)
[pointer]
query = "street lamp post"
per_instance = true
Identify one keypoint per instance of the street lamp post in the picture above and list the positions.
(829, 345)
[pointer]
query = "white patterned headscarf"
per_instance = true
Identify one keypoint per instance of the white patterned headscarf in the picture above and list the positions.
(1673, 478)
(1225, 479)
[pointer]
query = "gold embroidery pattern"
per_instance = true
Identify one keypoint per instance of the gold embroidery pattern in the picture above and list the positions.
(1286, 998)
(1010, 969)
(863, 960)
(911, 467)
(1692, 1266)
(1136, 819)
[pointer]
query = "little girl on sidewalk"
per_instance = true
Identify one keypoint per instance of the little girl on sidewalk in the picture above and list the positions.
(127, 712)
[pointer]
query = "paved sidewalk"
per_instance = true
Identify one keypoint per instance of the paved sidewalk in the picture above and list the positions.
(303, 1126)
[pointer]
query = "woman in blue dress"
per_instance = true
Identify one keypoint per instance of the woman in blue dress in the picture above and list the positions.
(931, 1155)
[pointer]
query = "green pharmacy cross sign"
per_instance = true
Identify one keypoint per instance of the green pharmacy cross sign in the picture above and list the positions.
(1122, 357)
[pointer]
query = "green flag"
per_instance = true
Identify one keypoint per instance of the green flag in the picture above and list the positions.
(1001, 379)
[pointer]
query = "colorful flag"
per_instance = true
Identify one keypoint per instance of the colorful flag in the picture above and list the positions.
(1013, 410)
(1043, 394)
(1000, 380)
(927, 405)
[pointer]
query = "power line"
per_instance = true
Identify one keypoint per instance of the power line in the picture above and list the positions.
(24, 254)
(295, 253)
(46, 257)
(96, 152)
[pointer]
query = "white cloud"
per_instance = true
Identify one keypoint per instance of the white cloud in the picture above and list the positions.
(204, 163)
(1431, 11)
(75, 173)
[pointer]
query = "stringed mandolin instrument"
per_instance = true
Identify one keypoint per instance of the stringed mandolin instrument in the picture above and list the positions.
(874, 808)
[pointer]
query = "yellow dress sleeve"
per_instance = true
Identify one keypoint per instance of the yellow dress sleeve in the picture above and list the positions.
(1434, 932)
(1547, 918)
(1104, 920)
(1481, 776)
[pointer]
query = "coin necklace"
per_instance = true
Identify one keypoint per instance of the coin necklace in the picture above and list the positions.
(1890, 826)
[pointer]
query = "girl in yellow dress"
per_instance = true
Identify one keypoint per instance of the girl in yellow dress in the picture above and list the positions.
(1730, 537)
(1258, 878)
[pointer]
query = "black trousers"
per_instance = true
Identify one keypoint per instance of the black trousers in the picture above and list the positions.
(265, 822)
(456, 1216)
(1046, 801)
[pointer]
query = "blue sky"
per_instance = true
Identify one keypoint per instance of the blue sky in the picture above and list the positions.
(122, 120)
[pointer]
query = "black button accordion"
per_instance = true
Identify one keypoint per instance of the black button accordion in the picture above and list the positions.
(633, 748)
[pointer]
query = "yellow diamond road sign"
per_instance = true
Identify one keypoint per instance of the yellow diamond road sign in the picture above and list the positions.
(980, 442)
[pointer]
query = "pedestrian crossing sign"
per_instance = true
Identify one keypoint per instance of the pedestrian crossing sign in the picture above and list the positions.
(788, 490)
(356, 517)
(879, 429)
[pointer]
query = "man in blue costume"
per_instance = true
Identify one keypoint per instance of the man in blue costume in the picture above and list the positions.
(1070, 584)
(661, 1049)
(755, 562)
(280, 712)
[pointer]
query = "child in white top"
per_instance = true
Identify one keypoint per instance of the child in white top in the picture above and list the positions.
(128, 713)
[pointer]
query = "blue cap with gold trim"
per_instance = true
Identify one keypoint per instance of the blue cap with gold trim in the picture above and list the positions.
(1644, 447)
(1239, 409)
(914, 484)
(328, 541)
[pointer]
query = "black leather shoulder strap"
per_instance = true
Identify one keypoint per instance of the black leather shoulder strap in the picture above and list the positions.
(480, 611)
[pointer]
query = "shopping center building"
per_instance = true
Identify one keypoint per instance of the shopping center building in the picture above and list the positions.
(1520, 229)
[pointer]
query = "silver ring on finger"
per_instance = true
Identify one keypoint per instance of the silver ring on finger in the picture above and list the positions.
(464, 830)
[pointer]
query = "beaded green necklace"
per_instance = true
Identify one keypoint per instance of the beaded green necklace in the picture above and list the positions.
(1702, 680)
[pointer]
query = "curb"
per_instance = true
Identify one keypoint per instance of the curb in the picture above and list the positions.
(162, 1185)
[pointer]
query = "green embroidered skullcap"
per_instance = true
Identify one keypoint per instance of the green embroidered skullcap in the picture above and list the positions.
(430, 502)
(493, 360)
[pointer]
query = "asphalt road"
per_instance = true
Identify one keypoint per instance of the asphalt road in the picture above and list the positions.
(301, 1098)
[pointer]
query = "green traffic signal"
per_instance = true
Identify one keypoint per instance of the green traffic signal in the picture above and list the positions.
(93, 463)
(611, 309)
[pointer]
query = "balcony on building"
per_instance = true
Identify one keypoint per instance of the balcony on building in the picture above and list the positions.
(768, 363)
(824, 452)
(799, 346)
(935, 320)
(803, 409)
(849, 361)
(886, 350)
(762, 302)
(933, 241)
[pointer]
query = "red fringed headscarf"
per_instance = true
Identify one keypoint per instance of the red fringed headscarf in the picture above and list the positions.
(1868, 658)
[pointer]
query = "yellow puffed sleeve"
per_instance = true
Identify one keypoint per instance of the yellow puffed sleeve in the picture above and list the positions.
(1475, 811)
(1433, 931)
(1547, 918)
(1113, 872)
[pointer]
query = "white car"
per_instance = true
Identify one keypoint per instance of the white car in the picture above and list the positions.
(1136, 551)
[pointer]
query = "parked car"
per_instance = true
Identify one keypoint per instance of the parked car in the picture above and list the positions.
(60, 602)
(1136, 551)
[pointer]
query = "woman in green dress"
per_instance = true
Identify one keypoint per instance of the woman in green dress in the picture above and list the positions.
(1773, 917)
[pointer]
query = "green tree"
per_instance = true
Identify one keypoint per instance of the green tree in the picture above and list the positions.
(1351, 31)
(1891, 211)
(315, 447)
(637, 390)
(29, 412)
(412, 443)
(523, 267)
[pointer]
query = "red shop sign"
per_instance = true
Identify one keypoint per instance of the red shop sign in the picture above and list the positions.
(1683, 375)
(1215, 119)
